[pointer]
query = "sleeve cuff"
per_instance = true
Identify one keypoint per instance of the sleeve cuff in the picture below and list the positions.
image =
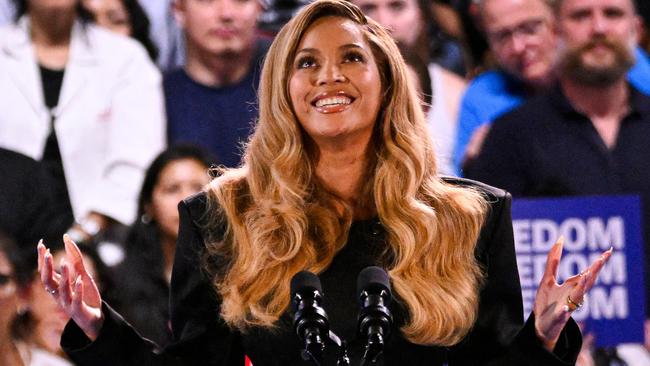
(114, 342)
(566, 350)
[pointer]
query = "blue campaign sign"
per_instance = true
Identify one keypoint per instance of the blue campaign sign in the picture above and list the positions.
(614, 310)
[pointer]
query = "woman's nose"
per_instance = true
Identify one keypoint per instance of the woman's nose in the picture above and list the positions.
(330, 73)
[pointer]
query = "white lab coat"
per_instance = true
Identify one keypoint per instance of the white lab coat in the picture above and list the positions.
(109, 120)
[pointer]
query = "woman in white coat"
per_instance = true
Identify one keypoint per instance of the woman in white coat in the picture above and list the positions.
(86, 102)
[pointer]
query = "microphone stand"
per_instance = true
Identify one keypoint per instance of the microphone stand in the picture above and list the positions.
(374, 347)
(343, 359)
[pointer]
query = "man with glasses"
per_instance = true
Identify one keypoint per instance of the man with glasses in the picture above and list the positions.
(522, 38)
(590, 133)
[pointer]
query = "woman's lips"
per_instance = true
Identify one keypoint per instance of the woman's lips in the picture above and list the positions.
(332, 102)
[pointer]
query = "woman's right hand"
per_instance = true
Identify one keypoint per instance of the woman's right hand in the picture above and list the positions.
(73, 289)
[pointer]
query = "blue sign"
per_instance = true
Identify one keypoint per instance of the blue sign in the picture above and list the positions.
(614, 310)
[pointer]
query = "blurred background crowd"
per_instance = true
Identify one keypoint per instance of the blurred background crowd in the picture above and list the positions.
(112, 111)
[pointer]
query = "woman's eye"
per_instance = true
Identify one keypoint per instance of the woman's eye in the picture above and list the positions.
(171, 189)
(353, 57)
(305, 62)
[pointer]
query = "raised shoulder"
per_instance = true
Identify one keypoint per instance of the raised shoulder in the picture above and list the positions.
(197, 205)
(491, 193)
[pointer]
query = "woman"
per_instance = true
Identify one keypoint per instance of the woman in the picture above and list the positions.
(42, 320)
(407, 21)
(24, 340)
(125, 17)
(411, 22)
(12, 353)
(338, 175)
(175, 174)
(86, 102)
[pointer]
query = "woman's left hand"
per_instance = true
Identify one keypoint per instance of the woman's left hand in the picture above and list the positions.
(554, 303)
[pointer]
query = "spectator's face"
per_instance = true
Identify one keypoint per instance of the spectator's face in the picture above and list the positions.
(218, 27)
(521, 36)
(110, 14)
(401, 17)
(178, 180)
(597, 39)
(334, 85)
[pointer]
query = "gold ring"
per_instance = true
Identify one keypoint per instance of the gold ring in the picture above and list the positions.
(572, 305)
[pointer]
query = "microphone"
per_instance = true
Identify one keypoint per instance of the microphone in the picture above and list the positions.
(375, 319)
(310, 320)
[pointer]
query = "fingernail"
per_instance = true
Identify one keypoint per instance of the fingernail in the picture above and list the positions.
(605, 256)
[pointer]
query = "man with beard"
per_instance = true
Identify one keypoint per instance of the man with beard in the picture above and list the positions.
(590, 135)
(211, 101)
(522, 38)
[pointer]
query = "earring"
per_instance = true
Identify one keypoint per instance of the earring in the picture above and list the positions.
(145, 218)
(22, 310)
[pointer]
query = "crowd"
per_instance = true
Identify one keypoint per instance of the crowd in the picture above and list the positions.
(114, 111)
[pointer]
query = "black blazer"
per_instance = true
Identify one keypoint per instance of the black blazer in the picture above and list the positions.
(499, 336)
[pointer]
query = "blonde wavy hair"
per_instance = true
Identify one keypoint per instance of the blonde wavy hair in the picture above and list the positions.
(276, 219)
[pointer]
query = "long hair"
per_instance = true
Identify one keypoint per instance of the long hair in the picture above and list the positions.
(140, 27)
(143, 238)
(278, 219)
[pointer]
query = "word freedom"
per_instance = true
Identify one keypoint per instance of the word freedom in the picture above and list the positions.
(584, 241)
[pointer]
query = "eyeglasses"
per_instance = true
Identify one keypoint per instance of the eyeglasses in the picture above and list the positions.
(528, 28)
(7, 285)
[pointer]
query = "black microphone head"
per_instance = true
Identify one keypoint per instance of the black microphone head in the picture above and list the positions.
(305, 280)
(373, 278)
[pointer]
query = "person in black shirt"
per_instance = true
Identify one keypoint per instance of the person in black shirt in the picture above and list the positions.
(176, 173)
(587, 136)
(26, 201)
(339, 175)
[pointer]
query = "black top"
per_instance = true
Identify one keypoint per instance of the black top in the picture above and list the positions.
(201, 337)
(547, 148)
(52, 81)
(144, 303)
(25, 203)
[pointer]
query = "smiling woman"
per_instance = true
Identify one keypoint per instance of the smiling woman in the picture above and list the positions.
(335, 86)
(338, 176)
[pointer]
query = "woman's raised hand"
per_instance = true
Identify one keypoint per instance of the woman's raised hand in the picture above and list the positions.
(554, 303)
(73, 288)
